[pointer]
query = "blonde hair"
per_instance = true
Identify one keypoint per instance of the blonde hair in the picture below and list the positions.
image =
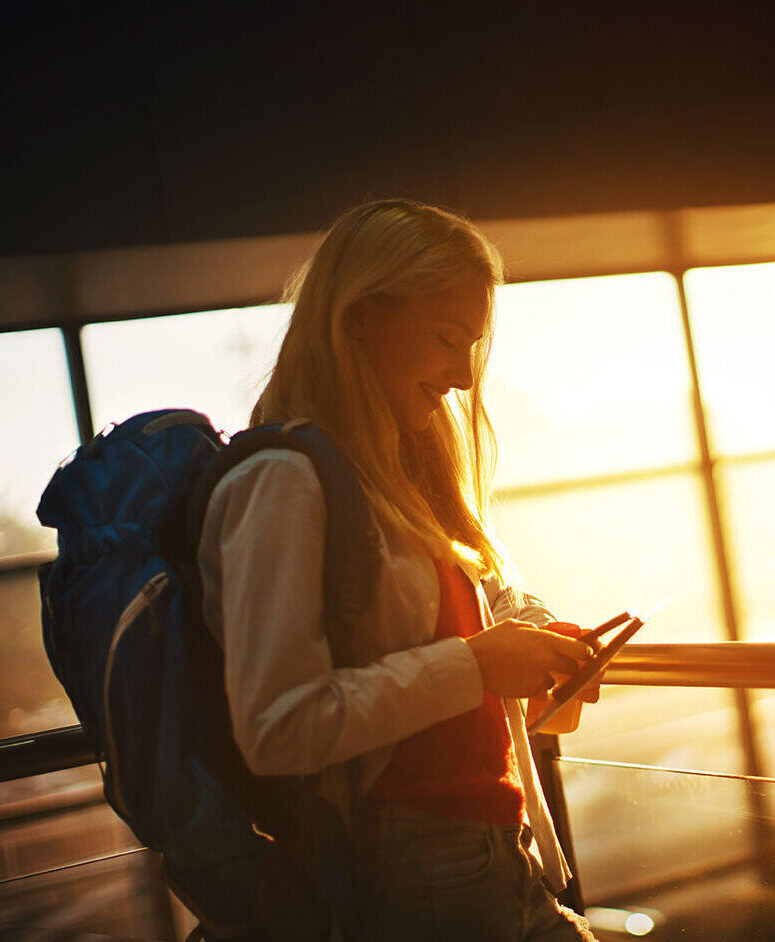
(429, 488)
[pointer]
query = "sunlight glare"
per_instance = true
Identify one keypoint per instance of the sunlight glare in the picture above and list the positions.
(589, 376)
(732, 311)
(39, 429)
(216, 362)
(608, 919)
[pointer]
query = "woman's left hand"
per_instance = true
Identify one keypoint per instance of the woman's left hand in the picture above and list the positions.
(591, 693)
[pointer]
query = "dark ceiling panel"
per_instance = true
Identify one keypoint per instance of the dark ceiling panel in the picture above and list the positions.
(156, 122)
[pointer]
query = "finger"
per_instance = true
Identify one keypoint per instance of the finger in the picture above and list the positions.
(563, 665)
(590, 694)
(566, 628)
(569, 647)
(545, 685)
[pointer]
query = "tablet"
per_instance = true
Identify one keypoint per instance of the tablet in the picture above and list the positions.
(591, 671)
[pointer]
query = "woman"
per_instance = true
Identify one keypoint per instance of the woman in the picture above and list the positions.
(386, 351)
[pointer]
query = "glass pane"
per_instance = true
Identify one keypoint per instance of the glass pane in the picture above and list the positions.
(747, 491)
(733, 323)
(38, 430)
(763, 711)
(589, 376)
(677, 727)
(673, 847)
(31, 698)
(216, 362)
(592, 552)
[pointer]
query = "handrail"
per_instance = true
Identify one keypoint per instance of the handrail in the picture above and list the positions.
(744, 664)
(49, 751)
(25, 562)
(724, 664)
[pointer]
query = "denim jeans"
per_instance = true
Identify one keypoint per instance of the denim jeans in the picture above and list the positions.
(426, 879)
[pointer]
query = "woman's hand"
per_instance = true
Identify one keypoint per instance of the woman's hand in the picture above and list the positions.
(591, 693)
(519, 660)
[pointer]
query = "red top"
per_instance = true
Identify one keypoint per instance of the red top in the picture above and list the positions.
(463, 767)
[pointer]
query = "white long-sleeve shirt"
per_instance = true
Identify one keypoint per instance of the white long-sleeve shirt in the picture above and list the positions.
(261, 561)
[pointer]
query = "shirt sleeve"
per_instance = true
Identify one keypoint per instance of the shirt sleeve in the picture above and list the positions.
(292, 712)
(506, 602)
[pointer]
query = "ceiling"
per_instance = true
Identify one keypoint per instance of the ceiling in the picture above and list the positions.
(156, 123)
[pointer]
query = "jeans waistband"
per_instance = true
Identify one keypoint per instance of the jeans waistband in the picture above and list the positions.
(370, 815)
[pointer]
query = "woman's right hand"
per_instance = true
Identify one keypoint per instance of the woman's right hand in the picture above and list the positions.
(519, 660)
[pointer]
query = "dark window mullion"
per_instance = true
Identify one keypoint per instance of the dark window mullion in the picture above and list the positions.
(78, 384)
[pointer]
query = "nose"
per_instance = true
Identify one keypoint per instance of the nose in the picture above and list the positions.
(462, 376)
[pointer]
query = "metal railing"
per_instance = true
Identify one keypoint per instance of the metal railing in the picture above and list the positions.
(49, 751)
(735, 664)
(741, 664)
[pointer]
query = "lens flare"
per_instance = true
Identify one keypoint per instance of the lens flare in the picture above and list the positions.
(639, 924)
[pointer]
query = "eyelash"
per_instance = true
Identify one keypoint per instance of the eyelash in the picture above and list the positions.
(446, 343)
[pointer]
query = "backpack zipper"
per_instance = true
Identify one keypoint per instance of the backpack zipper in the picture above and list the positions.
(154, 587)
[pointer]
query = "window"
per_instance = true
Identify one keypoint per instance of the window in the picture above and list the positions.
(216, 362)
(38, 430)
(37, 426)
(599, 499)
(733, 325)
(734, 336)
(589, 376)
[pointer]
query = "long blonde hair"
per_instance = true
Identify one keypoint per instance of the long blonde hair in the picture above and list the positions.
(430, 488)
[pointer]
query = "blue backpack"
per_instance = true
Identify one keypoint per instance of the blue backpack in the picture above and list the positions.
(259, 857)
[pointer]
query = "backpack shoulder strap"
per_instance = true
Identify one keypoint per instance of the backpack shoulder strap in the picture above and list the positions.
(351, 558)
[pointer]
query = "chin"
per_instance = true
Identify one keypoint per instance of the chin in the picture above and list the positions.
(422, 423)
(414, 423)
(415, 420)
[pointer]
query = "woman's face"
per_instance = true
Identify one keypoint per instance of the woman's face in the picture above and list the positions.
(421, 347)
